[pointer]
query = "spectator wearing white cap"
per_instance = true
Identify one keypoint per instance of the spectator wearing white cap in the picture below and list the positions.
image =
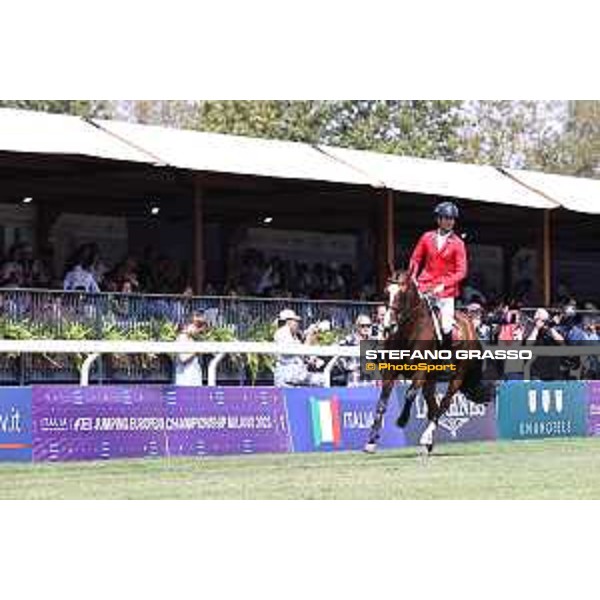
(290, 369)
(483, 330)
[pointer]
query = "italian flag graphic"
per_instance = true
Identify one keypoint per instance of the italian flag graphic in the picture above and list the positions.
(326, 421)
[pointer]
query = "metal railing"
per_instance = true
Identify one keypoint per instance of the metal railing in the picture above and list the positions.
(49, 314)
(57, 310)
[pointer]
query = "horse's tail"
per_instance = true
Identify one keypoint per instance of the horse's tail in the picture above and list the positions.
(474, 387)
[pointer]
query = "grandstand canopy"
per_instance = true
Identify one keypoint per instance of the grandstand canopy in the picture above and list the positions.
(219, 153)
(45, 134)
(42, 133)
(573, 193)
(452, 179)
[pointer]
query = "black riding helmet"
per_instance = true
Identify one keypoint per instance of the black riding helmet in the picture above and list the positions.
(447, 210)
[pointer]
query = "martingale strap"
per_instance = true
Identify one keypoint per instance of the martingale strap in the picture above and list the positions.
(437, 326)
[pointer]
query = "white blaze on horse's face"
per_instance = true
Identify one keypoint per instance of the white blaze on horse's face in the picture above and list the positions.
(393, 289)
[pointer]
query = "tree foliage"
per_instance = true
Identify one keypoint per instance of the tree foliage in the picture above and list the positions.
(555, 136)
(82, 108)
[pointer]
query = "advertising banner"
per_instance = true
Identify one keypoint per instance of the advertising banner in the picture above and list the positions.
(96, 423)
(330, 419)
(593, 407)
(15, 424)
(235, 420)
(464, 421)
(538, 409)
(103, 422)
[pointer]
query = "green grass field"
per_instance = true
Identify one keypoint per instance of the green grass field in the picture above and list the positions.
(548, 469)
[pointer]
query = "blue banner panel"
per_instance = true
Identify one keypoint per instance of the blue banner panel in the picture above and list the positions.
(330, 419)
(539, 409)
(464, 421)
(15, 424)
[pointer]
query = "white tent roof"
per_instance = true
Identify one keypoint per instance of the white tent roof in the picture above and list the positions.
(43, 133)
(458, 180)
(573, 193)
(201, 151)
(37, 132)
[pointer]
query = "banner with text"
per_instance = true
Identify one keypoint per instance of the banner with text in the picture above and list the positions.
(103, 422)
(233, 420)
(538, 409)
(98, 422)
(15, 424)
(464, 421)
(329, 419)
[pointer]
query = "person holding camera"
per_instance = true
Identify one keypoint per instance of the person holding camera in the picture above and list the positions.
(544, 331)
(290, 369)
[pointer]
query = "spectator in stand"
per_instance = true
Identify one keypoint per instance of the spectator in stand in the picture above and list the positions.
(290, 369)
(363, 331)
(544, 332)
(80, 277)
(11, 274)
(484, 331)
(188, 371)
(378, 330)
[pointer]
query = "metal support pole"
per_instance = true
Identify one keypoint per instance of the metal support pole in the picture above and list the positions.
(86, 367)
(327, 370)
(212, 369)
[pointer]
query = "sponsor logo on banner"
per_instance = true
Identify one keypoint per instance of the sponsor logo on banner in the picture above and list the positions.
(330, 419)
(461, 411)
(103, 422)
(464, 421)
(15, 424)
(542, 409)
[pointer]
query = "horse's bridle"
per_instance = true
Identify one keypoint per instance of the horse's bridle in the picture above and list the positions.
(407, 313)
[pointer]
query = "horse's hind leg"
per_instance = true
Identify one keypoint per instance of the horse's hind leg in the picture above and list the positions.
(453, 387)
(433, 414)
(409, 398)
(380, 410)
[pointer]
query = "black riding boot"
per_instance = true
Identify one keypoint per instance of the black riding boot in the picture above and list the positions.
(447, 341)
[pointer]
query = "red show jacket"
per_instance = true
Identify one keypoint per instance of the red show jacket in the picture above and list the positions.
(432, 266)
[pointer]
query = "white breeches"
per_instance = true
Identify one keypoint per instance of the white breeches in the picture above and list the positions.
(446, 306)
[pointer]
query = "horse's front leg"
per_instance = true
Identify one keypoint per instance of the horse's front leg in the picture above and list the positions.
(380, 410)
(433, 414)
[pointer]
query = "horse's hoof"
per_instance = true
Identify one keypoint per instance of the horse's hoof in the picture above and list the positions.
(370, 448)
(426, 450)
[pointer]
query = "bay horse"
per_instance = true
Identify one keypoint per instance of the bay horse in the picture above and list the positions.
(409, 325)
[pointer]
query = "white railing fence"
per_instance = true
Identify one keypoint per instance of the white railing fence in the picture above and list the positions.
(93, 349)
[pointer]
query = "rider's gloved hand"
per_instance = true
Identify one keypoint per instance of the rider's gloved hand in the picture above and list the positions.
(438, 289)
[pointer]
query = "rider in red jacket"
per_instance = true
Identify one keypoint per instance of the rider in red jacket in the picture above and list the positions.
(439, 262)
